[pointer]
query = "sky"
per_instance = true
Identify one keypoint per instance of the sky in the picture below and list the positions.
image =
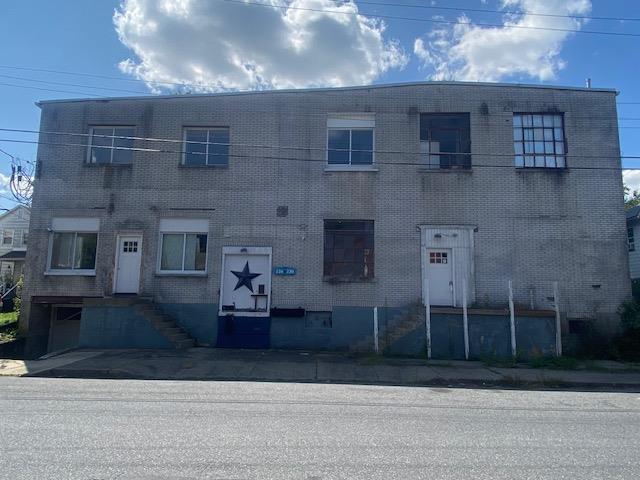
(125, 48)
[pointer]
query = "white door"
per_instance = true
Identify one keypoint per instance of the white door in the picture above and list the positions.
(440, 275)
(128, 260)
(246, 281)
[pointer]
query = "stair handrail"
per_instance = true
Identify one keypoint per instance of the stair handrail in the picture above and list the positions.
(8, 291)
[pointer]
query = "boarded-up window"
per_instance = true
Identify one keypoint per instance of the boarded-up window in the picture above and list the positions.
(348, 249)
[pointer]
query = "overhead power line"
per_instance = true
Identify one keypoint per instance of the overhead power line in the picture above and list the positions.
(324, 161)
(30, 87)
(66, 84)
(247, 145)
(134, 80)
(306, 149)
(503, 12)
(436, 21)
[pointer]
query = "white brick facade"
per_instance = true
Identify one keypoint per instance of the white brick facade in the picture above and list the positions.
(533, 226)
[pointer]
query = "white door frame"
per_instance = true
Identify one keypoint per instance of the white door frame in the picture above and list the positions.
(117, 259)
(247, 251)
(462, 251)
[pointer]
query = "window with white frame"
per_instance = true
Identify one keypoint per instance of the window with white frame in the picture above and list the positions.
(25, 236)
(350, 140)
(630, 239)
(206, 147)
(7, 237)
(183, 246)
(111, 145)
(73, 245)
(538, 140)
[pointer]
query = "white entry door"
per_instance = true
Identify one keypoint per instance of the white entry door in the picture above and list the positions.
(128, 261)
(440, 275)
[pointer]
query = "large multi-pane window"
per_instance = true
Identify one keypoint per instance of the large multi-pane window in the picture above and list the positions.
(350, 140)
(445, 140)
(183, 246)
(538, 140)
(206, 147)
(348, 249)
(111, 145)
(630, 239)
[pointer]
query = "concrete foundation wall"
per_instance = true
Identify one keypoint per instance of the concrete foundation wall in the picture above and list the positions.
(118, 327)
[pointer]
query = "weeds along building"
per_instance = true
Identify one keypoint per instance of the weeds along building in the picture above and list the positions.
(284, 218)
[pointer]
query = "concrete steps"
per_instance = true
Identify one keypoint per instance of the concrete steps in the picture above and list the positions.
(165, 324)
(401, 324)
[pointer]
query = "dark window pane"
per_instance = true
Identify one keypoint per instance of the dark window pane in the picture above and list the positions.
(196, 152)
(101, 143)
(123, 156)
(361, 147)
(448, 133)
(218, 147)
(338, 145)
(85, 257)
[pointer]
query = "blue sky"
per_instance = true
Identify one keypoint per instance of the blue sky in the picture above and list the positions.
(82, 36)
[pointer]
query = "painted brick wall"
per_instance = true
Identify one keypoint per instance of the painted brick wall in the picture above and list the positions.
(533, 227)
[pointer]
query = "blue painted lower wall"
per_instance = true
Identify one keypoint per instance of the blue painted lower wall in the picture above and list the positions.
(349, 325)
(200, 320)
(489, 335)
(117, 327)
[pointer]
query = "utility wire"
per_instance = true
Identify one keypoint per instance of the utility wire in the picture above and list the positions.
(430, 20)
(503, 12)
(136, 80)
(50, 89)
(74, 85)
(324, 161)
(261, 146)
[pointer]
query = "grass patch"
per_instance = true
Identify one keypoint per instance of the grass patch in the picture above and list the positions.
(8, 317)
(9, 335)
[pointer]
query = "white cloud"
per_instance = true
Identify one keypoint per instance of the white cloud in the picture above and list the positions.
(631, 179)
(234, 46)
(4, 184)
(475, 53)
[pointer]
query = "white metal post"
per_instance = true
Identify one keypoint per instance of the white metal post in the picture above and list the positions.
(512, 322)
(375, 329)
(427, 307)
(556, 306)
(465, 319)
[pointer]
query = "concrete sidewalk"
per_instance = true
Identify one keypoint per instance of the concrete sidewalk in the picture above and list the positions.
(290, 366)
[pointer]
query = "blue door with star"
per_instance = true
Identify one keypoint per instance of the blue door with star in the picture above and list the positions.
(245, 298)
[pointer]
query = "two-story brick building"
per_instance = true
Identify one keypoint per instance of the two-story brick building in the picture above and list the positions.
(284, 218)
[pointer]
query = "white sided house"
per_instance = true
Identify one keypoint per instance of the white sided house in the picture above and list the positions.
(452, 219)
(14, 227)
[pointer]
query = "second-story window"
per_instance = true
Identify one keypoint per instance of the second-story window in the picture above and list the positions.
(350, 140)
(445, 140)
(206, 147)
(538, 140)
(7, 237)
(111, 145)
(630, 239)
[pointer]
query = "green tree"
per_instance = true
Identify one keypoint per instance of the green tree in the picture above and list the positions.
(631, 197)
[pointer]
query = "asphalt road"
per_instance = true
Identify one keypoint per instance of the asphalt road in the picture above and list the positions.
(104, 429)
